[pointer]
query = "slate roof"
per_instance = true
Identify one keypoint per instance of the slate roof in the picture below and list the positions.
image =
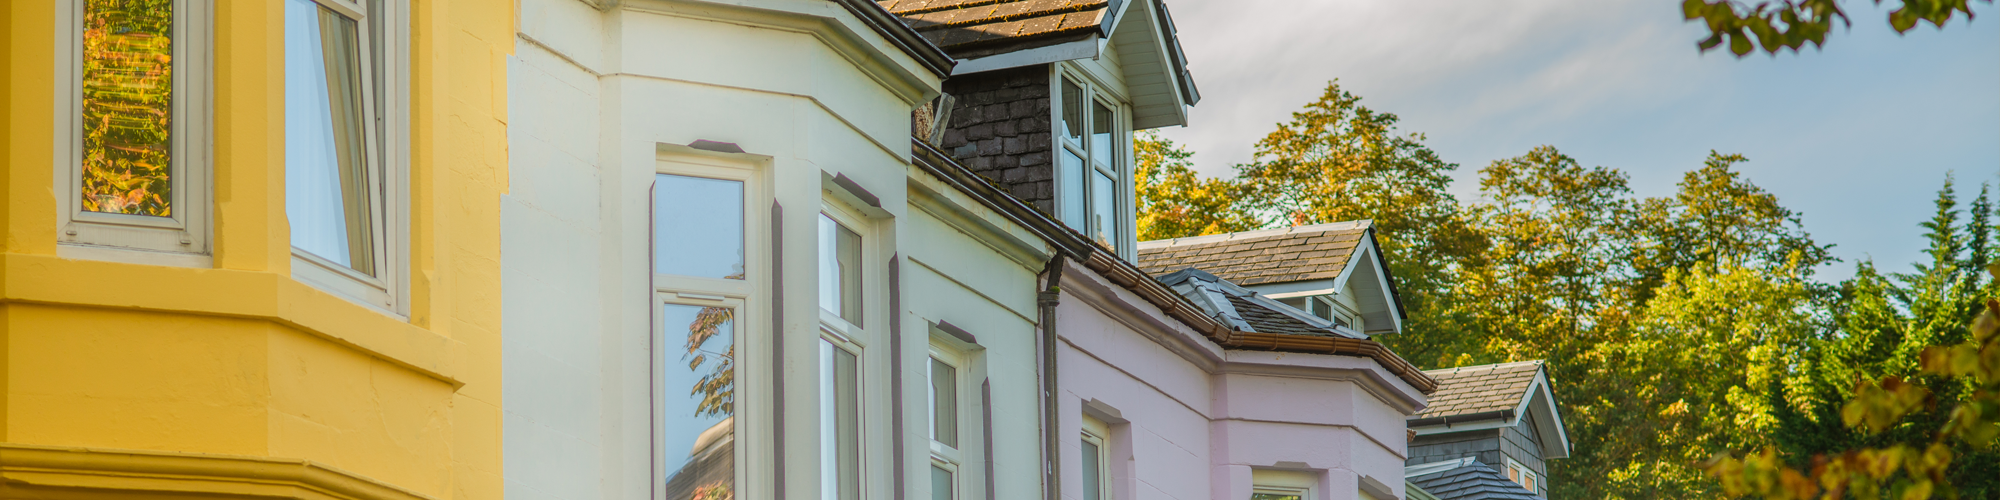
(1247, 258)
(1471, 480)
(1476, 389)
(1245, 310)
(968, 28)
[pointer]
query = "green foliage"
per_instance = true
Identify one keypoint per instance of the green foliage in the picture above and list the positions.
(1675, 327)
(1774, 26)
(1337, 160)
(1174, 202)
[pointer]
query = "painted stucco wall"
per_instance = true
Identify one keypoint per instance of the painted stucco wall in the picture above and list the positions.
(243, 379)
(1190, 420)
(807, 92)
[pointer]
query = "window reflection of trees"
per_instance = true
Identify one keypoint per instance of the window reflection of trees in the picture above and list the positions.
(127, 106)
(709, 473)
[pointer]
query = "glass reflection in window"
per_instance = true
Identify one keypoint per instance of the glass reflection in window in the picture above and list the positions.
(840, 423)
(128, 106)
(944, 403)
(941, 483)
(839, 270)
(698, 441)
(1103, 211)
(1093, 469)
(698, 227)
(1072, 111)
(329, 192)
(1101, 139)
(1071, 180)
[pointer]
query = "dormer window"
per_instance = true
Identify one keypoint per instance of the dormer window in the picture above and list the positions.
(1090, 166)
(1325, 307)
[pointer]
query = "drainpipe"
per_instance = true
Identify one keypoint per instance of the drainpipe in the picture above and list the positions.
(1045, 302)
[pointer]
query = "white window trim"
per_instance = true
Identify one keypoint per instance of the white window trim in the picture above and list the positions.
(1095, 90)
(753, 387)
(862, 226)
(1284, 482)
(861, 412)
(1099, 433)
(184, 238)
(386, 120)
(957, 493)
(1525, 475)
(958, 362)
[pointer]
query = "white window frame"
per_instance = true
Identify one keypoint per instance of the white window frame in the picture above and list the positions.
(1120, 167)
(183, 239)
(851, 336)
(1523, 476)
(957, 493)
(385, 43)
(861, 469)
(1098, 433)
(958, 361)
(1283, 482)
(747, 295)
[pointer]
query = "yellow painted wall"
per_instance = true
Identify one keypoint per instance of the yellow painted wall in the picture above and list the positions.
(218, 376)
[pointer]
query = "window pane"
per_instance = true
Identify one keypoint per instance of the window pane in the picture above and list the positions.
(1101, 123)
(1093, 485)
(327, 180)
(1275, 496)
(839, 270)
(698, 227)
(941, 484)
(1070, 180)
(699, 387)
(1072, 111)
(944, 403)
(840, 424)
(1104, 223)
(127, 106)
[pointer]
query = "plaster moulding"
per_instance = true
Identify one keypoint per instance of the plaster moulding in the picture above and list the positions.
(76, 473)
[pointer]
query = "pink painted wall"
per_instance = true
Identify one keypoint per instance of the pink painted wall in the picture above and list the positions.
(1191, 421)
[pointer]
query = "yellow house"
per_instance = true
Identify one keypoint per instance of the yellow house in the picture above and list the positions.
(251, 247)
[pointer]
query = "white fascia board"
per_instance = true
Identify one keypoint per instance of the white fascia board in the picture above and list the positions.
(1548, 420)
(1441, 429)
(1295, 289)
(1068, 51)
(1366, 251)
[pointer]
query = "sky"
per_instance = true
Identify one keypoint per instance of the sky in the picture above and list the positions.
(1857, 136)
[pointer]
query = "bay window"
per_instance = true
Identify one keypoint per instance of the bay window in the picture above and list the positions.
(344, 175)
(1090, 163)
(133, 168)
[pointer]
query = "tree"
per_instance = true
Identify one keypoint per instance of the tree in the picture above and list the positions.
(1717, 214)
(1337, 160)
(1789, 24)
(1174, 202)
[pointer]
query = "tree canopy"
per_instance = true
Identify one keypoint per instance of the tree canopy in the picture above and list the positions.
(1676, 328)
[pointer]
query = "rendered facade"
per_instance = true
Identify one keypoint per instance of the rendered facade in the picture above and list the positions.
(252, 248)
(644, 249)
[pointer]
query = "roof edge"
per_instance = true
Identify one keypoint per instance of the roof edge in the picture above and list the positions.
(901, 35)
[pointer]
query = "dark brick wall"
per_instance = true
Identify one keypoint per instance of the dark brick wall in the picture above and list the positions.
(1000, 130)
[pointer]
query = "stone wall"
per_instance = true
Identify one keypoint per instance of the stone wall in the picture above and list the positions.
(1000, 128)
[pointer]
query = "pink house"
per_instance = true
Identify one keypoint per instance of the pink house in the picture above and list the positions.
(1233, 367)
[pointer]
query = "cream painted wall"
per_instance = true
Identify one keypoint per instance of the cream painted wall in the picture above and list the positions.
(806, 92)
